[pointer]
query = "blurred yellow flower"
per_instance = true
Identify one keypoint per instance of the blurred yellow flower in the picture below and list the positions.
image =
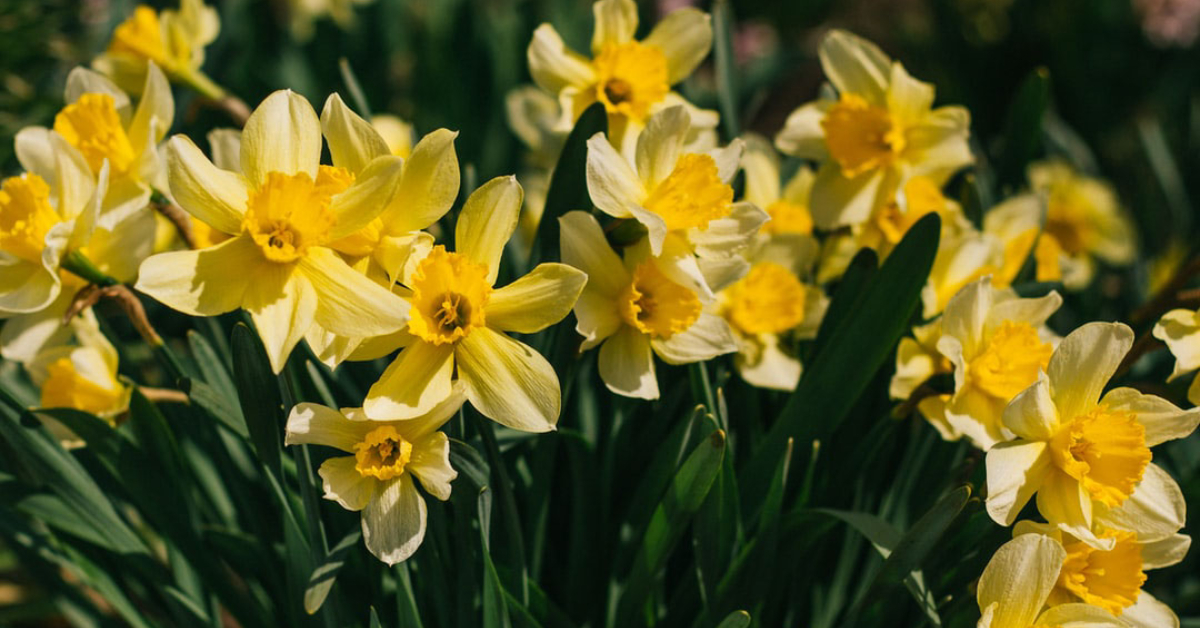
(786, 204)
(283, 210)
(1087, 457)
(635, 310)
(458, 319)
(1016, 583)
(174, 40)
(632, 78)
(82, 375)
(880, 131)
(1180, 330)
(377, 478)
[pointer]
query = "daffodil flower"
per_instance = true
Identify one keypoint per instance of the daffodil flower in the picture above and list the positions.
(458, 319)
(787, 203)
(174, 40)
(1087, 457)
(1017, 582)
(683, 199)
(1180, 330)
(880, 131)
(772, 303)
(632, 78)
(82, 375)
(998, 343)
(633, 310)
(377, 478)
(283, 210)
(1112, 579)
(44, 215)
(1084, 222)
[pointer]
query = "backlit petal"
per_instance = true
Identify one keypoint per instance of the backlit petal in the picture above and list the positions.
(685, 36)
(282, 135)
(509, 382)
(214, 196)
(416, 381)
(393, 523)
(537, 300)
(627, 364)
(487, 221)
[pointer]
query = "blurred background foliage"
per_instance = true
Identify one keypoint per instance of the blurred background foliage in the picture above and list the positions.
(1122, 103)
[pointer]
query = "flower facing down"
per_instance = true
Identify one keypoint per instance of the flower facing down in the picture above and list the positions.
(998, 344)
(881, 130)
(377, 478)
(82, 375)
(632, 78)
(458, 321)
(1180, 330)
(771, 307)
(683, 199)
(1087, 457)
(634, 310)
(1017, 582)
(174, 40)
(283, 210)
(1112, 579)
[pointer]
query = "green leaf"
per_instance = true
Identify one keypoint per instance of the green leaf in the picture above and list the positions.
(326, 573)
(568, 185)
(849, 290)
(495, 609)
(469, 463)
(215, 405)
(375, 619)
(1023, 129)
(408, 615)
(687, 493)
(736, 619)
(258, 391)
(726, 67)
(213, 368)
(855, 349)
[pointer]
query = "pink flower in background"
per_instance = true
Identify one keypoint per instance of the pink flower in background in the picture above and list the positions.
(1169, 23)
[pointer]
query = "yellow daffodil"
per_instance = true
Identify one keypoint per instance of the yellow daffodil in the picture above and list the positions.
(303, 14)
(1084, 222)
(1087, 457)
(283, 211)
(174, 40)
(683, 199)
(917, 360)
(1112, 579)
(396, 133)
(82, 375)
(427, 187)
(787, 204)
(636, 310)
(632, 78)
(533, 116)
(1019, 579)
(1180, 329)
(771, 304)
(880, 131)
(377, 478)
(998, 343)
(458, 319)
(44, 215)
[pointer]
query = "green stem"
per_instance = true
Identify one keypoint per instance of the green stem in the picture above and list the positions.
(511, 521)
(78, 264)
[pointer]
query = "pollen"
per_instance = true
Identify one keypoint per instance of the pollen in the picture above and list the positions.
(768, 300)
(290, 213)
(141, 36)
(861, 137)
(692, 196)
(788, 218)
(25, 216)
(66, 387)
(1010, 360)
(630, 78)
(382, 454)
(1105, 451)
(1108, 579)
(450, 295)
(91, 124)
(655, 305)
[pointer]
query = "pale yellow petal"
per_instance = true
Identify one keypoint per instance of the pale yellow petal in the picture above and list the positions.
(282, 303)
(1180, 330)
(616, 21)
(282, 135)
(802, 134)
(553, 65)
(1064, 502)
(345, 485)
(660, 145)
(315, 424)
(430, 463)
(82, 81)
(1083, 363)
(207, 282)
(537, 300)
(839, 201)
(1156, 510)
(353, 142)
(415, 382)
(214, 196)
(367, 197)
(707, 338)
(1165, 552)
(627, 364)
(487, 221)
(1019, 578)
(26, 288)
(584, 247)
(347, 302)
(155, 112)
(428, 187)
(685, 36)
(1015, 471)
(393, 522)
(612, 183)
(1147, 612)
(509, 382)
(226, 147)
(1162, 419)
(1082, 616)
(855, 65)
(1031, 415)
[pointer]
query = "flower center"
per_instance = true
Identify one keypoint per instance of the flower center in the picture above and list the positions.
(788, 218)
(66, 387)
(630, 77)
(1010, 360)
(291, 212)
(692, 195)
(25, 216)
(91, 124)
(450, 294)
(141, 35)
(1105, 450)
(921, 196)
(861, 137)
(655, 305)
(1110, 580)
(768, 300)
(382, 454)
